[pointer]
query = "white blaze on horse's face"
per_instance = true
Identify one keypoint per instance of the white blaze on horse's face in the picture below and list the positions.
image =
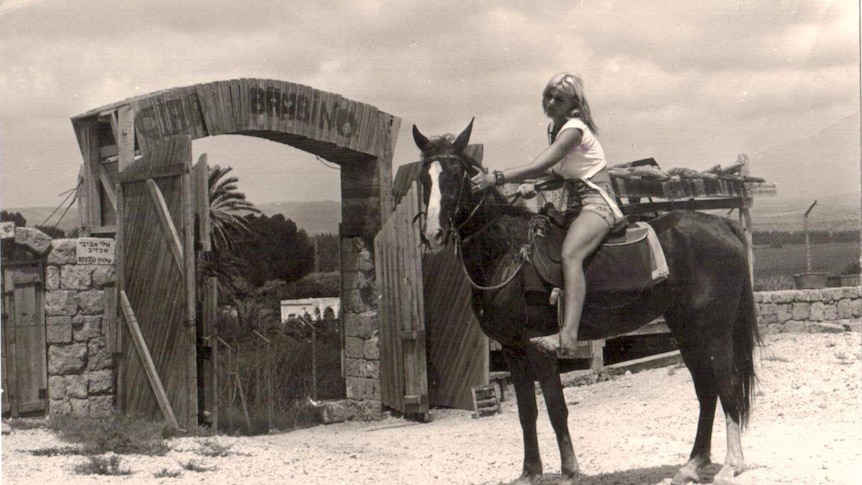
(433, 230)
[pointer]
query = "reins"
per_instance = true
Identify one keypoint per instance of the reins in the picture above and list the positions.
(455, 230)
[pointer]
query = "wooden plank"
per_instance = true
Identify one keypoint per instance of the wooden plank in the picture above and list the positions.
(30, 355)
(169, 230)
(225, 108)
(651, 362)
(382, 318)
(126, 140)
(395, 315)
(245, 106)
(147, 361)
(190, 340)
(108, 186)
(360, 114)
(90, 146)
(291, 93)
(138, 174)
(208, 323)
(200, 174)
(108, 151)
(120, 258)
(691, 204)
(141, 134)
(415, 267)
(656, 327)
(5, 323)
(9, 340)
(330, 127)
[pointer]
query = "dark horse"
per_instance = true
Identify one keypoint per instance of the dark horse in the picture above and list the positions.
(707, 302)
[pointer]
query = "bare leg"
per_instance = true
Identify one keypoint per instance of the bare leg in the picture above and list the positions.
(582, 239)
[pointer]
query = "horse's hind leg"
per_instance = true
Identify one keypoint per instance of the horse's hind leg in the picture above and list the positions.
(547, 372)
(707, 396)
(728, 382)
(525, 391)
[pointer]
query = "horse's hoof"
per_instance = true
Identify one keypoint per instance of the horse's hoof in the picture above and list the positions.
(725, 476)
(685, 476)
(526, 479)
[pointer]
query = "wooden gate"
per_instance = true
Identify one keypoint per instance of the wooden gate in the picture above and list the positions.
(24, 355)
(432, 351)
(156, 280)
(398, 266)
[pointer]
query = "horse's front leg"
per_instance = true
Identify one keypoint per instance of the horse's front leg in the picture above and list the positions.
(522, 380)
(547, 371)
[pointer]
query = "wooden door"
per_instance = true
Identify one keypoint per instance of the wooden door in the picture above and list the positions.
(458, 351)
(401, 317)
(156, 278)
(24, 360)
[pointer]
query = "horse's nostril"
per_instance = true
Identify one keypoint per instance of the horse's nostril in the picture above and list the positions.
(439, 235)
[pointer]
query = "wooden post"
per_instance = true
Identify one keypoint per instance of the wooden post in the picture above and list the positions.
(745, 215)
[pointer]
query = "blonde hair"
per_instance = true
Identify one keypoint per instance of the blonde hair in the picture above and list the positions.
(573, 86)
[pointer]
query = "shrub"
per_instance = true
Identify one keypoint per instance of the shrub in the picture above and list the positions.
(116, 433)
(99, 465)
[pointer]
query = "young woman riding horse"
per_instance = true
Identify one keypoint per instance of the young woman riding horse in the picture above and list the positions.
(707, 302)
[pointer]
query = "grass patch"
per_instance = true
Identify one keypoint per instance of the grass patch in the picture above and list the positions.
(100, 465)
(213, 448)
(57, 451)
(165, 473)
(27, 423)
(117, 433)
(196, 466)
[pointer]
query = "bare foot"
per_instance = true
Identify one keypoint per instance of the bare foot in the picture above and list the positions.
(550, 343)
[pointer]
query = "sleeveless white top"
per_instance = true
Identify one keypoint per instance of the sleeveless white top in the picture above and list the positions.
(586, 159)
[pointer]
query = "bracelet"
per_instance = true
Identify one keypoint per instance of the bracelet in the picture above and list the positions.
(499, 178)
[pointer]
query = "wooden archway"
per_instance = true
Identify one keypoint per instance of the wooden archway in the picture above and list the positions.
(357, 136)
(141, 139)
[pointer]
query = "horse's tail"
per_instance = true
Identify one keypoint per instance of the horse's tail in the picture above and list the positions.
(745, 338)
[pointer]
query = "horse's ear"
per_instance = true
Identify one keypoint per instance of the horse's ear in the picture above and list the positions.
(420, 139)
(464, 138)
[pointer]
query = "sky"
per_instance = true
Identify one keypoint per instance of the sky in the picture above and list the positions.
(691, 83)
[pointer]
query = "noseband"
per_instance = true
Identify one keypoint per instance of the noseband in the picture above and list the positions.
(454, 230)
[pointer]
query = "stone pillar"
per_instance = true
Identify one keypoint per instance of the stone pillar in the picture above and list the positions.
(359, 311)
(81, 371)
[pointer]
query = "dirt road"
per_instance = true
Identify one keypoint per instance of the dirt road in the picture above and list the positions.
(636, 429)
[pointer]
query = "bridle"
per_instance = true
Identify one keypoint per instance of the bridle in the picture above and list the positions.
(454, 230)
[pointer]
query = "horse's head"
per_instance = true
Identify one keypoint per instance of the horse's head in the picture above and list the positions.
(445, 179)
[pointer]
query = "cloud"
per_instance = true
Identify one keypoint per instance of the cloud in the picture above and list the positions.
(690, 82)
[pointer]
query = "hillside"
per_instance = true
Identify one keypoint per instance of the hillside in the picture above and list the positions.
(315, 217)
(822, 165)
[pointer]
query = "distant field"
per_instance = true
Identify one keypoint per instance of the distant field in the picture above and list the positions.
(774, 267)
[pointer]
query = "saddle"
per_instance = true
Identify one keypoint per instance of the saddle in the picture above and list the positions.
(630, 259)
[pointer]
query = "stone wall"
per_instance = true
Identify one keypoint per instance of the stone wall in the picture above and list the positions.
(81, 371)
(827, 309)
(359, 311)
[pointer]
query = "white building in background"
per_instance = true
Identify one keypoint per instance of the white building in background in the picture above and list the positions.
(318, 308)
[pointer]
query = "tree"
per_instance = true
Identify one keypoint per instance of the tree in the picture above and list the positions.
(276, 250)
(228, 208)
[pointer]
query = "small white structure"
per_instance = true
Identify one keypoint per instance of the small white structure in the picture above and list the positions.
(316, 307)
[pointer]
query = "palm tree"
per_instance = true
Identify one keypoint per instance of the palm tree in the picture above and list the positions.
(228, 207)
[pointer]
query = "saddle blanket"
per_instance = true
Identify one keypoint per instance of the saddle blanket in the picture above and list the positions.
(633, 262)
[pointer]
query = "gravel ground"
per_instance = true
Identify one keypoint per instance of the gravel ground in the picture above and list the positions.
(635, 429)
